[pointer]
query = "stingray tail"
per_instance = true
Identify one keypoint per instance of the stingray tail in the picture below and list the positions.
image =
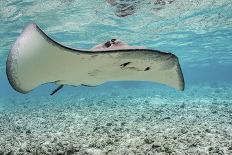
(57, 89)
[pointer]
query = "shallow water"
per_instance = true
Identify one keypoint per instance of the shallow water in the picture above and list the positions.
(124, 117)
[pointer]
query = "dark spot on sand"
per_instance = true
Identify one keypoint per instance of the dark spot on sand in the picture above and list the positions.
(215, 150)
(9, 153)
(183, 131)
(167, 150)
(70, 152)
(96, 128)
(155, 146)
(210, 148)
(230, 148)
(109, 142)
(207, 130)
(214, 112)
(182, 105)
(146, 101)
(148, 141)
(20, 150)
(28, 132)
(117, 129)
(109, 124)
(166, 118)
(123, 123)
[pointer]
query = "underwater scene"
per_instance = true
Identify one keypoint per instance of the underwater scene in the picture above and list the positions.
(174, 101)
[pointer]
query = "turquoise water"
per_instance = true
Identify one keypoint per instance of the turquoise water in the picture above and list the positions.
(198, 32)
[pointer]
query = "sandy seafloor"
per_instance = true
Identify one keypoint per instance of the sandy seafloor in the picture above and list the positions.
(120, 120)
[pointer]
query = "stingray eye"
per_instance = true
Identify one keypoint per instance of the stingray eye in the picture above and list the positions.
(113, 40)
(108, 44)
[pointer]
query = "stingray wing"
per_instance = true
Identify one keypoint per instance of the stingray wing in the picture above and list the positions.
(36, 59)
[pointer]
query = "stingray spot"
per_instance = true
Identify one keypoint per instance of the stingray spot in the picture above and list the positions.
(85, 85)
(107, 44)
(146, 69)
(125, 64)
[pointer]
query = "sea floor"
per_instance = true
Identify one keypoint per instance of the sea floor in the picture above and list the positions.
(120, 121)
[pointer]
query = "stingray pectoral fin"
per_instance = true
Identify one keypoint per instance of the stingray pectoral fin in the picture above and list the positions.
(36, 59)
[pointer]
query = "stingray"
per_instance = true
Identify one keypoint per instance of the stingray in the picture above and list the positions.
(36, 59)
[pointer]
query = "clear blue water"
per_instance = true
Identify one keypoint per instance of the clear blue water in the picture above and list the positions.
(199, 32)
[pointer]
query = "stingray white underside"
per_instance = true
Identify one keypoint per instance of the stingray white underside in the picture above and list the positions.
(36, 59)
